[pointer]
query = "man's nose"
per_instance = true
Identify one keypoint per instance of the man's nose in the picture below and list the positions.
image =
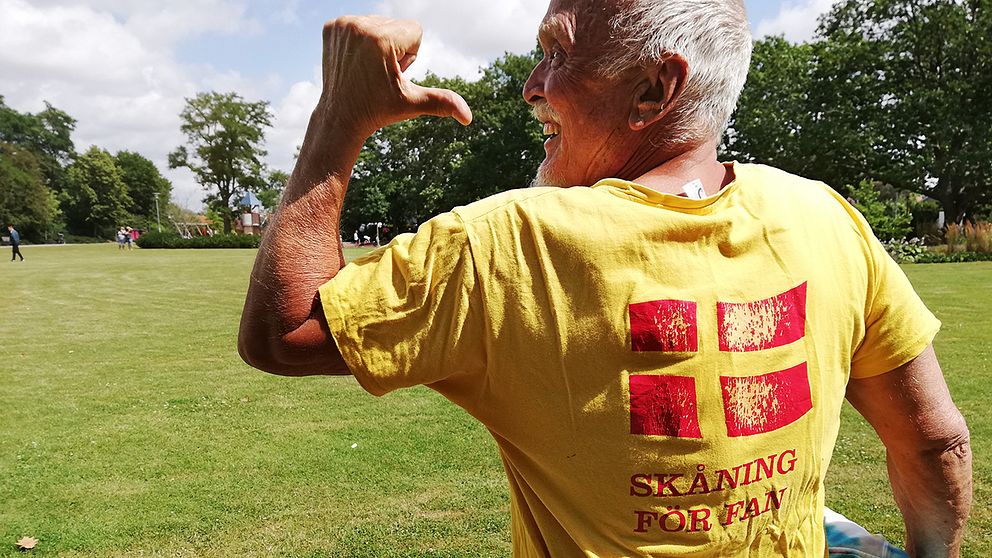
(534, 87)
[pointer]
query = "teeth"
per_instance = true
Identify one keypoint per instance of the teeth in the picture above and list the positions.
(551, 129)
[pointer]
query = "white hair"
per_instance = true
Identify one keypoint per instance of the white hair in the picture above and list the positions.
(712, 36)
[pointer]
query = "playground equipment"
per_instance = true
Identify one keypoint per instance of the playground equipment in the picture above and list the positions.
(189, 230)
(253, 216)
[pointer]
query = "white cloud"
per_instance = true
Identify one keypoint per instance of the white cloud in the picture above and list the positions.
(797, 21)
(111, 65)
(444, 59)
(292, 114)
(460, 36)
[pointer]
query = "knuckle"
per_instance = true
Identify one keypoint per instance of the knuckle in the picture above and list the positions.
(332, 26)
(347, 24)
(411, 24)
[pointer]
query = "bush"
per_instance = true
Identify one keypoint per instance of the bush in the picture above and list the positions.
(889, 219)
(978, 237)
(969, 237)
(906, 251)
(954, 257)
(954, 237)
(171, 240)
(913, 251)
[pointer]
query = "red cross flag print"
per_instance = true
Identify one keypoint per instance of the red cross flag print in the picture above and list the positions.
(665, 405)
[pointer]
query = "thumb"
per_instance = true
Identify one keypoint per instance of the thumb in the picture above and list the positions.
(440, 102)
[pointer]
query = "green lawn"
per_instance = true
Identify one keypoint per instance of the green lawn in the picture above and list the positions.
(130, 427)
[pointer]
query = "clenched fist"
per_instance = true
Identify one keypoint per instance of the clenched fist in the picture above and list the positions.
(364, 86)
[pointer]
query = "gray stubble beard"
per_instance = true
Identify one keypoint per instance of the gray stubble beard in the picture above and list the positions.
(544, 178)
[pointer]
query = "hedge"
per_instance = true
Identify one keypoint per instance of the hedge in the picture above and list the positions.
(954, 257)
(172, 241)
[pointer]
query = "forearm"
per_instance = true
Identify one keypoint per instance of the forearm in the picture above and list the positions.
(301, 249)
(933, 489)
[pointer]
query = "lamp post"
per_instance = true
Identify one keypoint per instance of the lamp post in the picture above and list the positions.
(158, 216)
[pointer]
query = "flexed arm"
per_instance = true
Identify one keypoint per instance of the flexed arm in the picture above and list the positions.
(283, 329)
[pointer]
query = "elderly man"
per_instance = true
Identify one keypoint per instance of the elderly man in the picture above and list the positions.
(661, 353)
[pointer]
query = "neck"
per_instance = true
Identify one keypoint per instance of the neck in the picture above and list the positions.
(676, 170)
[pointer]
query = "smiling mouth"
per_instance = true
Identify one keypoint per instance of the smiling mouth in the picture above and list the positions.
(551, 130)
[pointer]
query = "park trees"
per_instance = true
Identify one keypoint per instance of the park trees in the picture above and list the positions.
(144, 184)
(224, 138)
(95, 199)
(890, 91)
(506, 144)
(270, 194)
(25, 200)
(48, 134)
(410, 171)
(34, 150)
(931, 66)
(794, 116)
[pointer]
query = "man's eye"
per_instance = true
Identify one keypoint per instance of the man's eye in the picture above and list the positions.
(555, 55)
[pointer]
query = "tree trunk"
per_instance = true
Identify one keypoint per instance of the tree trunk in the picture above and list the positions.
(949, 201)
(227, 222)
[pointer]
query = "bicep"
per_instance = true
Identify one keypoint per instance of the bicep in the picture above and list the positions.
(307, 350)
(910, 407)
(311, 350)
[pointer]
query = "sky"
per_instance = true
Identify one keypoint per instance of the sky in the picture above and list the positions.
(123, 68)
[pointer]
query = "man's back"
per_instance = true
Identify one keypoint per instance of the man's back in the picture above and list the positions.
(673, 388)
(715, 340)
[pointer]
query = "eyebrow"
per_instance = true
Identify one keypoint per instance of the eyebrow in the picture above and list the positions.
(555, 29)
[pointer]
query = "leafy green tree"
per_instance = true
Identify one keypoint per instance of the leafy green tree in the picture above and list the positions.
(405, 169)
(926, 66)
(890, 90)
(271, 193)
(505, 143)
(48, 134)
(144, 183)
(224, 137)
(413, 170)
(773, 120)
(95, 199)
(25, 201)
(889, 219)
(795, 114)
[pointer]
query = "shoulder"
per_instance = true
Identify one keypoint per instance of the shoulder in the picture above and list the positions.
(778, 182)
(503, 202)
(524, 201)
(800, 196)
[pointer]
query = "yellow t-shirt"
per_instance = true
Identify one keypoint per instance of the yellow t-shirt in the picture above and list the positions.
(663, 376)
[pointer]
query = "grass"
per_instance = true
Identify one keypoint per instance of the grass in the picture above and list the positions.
(130, 427)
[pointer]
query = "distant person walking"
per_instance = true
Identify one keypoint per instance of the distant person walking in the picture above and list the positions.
(15, 243)
(120, 238)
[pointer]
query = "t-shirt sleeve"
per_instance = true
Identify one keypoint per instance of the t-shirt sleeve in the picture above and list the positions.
(898, 325)
(411, 312)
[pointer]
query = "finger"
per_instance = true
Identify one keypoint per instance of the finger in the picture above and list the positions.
(406, 35)
(440, 102)
(406, 61)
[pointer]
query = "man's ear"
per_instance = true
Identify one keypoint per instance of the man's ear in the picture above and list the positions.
(655, 95)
